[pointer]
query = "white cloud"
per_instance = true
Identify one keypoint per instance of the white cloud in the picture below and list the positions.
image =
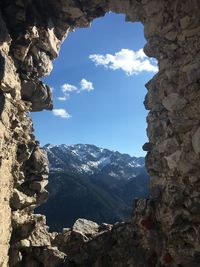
(131, 62)
(86, 85)
(66, 87)
(61, 113)
(63, 98)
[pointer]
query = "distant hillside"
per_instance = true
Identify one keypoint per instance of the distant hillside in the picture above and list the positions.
(93, 183)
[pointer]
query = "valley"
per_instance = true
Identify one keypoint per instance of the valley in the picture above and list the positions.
(89, 182)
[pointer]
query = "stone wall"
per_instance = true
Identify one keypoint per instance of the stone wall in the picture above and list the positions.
(164, 230)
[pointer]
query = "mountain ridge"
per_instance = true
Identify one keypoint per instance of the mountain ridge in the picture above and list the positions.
(87, 158)
(89, 182)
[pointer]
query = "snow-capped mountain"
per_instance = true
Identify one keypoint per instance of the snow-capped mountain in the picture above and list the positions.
(89, 182)
(90, 159)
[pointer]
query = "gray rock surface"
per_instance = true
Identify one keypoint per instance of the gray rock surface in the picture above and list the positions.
(86, 227)
(164, 230)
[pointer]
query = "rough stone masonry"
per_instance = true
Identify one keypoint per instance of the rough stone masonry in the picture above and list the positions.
(165, 229)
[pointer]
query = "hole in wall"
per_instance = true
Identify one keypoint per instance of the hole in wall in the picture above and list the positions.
(98, 86)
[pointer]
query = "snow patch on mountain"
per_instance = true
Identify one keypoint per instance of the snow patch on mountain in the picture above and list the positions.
(89, 159)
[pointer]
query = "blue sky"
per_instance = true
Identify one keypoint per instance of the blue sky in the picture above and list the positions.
(98, 88)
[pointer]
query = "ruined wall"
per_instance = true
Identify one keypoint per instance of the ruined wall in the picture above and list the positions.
(164, 230)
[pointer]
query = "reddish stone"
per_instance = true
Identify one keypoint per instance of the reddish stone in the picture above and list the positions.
(147, 223)
(167, 258)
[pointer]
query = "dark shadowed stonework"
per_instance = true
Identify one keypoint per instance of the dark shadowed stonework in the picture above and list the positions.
(164, 230)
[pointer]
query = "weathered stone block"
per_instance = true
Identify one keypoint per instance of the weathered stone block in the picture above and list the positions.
(174, 102)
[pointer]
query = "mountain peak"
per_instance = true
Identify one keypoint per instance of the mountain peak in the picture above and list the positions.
(90, 159)
(90, 182)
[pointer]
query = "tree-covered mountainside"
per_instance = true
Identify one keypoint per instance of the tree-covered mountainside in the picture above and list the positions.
(93, 183)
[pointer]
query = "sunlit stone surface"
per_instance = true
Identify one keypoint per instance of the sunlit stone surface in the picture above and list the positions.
(164, 231)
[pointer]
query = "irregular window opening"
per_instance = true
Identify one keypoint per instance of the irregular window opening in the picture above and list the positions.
(93, 181)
